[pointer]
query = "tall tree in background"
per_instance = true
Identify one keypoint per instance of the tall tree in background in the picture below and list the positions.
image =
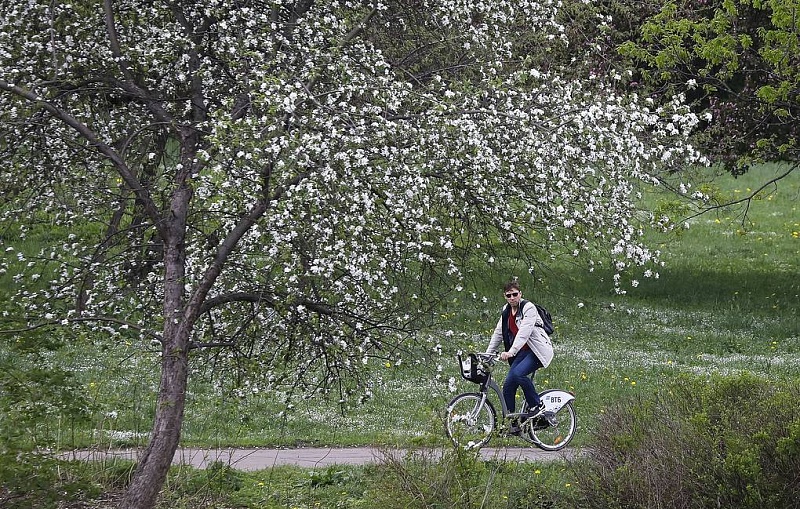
(263, 175)
(739, 61)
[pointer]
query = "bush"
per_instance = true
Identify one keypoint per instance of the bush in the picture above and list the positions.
(461, 479)
(725, 442)
(39, 403)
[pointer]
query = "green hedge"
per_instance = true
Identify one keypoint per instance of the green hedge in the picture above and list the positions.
(722, 442)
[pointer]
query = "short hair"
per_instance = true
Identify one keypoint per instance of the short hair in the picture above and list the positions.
(511, 285)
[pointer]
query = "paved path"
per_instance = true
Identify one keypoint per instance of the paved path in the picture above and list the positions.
(312, 457)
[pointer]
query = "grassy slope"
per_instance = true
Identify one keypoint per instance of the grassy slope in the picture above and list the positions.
(727, 301)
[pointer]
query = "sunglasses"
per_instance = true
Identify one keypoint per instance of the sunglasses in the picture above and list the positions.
(511, 294)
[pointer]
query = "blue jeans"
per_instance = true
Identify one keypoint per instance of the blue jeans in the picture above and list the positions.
(523, 366)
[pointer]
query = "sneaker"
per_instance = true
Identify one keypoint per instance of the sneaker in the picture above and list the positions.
(535, 411)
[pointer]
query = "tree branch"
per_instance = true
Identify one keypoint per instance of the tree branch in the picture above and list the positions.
(219, 300)
(125, 66)
(104, 319)
(747, 199)
(116, 159)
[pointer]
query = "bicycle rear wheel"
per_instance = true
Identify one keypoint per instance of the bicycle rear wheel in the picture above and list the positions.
(552, 431)
(469, 424)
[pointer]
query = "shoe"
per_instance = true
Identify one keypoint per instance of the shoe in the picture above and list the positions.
(535, 411)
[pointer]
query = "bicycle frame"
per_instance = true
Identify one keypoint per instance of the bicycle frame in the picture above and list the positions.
(490, 383)
(553, 399)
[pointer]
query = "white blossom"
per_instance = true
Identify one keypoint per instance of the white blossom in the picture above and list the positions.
(328, 170)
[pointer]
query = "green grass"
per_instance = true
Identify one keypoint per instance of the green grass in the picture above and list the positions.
(726, 302)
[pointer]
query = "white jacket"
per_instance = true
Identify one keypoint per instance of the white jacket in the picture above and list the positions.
(530, 332)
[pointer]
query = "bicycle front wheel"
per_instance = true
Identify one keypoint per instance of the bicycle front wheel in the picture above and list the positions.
(470, 423)
(552, 431)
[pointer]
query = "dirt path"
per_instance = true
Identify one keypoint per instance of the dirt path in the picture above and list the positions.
(312, 457)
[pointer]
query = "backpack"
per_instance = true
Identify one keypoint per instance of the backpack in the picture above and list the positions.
(547, 320)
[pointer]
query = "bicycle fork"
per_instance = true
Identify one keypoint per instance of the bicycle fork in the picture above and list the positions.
(473, 416)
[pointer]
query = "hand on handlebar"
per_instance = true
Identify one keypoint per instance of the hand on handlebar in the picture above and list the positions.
(504, 356)
(487, 356)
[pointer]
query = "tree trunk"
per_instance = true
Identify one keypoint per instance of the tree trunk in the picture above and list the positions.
(153, 465)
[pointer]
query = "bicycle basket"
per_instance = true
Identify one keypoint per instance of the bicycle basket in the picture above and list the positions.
(472, 370)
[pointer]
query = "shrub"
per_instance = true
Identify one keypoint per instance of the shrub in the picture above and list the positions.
(39, 403)
(724, 442)
(461, 479)
(422, 479)
(192, 487)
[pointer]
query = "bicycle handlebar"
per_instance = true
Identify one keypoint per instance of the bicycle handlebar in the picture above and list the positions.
(488, 358)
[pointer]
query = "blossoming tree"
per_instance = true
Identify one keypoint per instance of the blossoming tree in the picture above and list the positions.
(263, 175)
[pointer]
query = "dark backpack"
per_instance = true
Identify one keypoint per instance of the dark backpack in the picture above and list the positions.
(544, 314)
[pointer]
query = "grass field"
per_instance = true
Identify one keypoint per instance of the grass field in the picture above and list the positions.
(726, 302)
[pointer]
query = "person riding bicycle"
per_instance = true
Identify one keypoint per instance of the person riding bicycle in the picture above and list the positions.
(527, 348)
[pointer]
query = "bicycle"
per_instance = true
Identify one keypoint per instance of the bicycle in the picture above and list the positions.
(471, 418)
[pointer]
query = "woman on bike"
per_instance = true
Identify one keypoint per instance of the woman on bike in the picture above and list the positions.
(527, 348)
